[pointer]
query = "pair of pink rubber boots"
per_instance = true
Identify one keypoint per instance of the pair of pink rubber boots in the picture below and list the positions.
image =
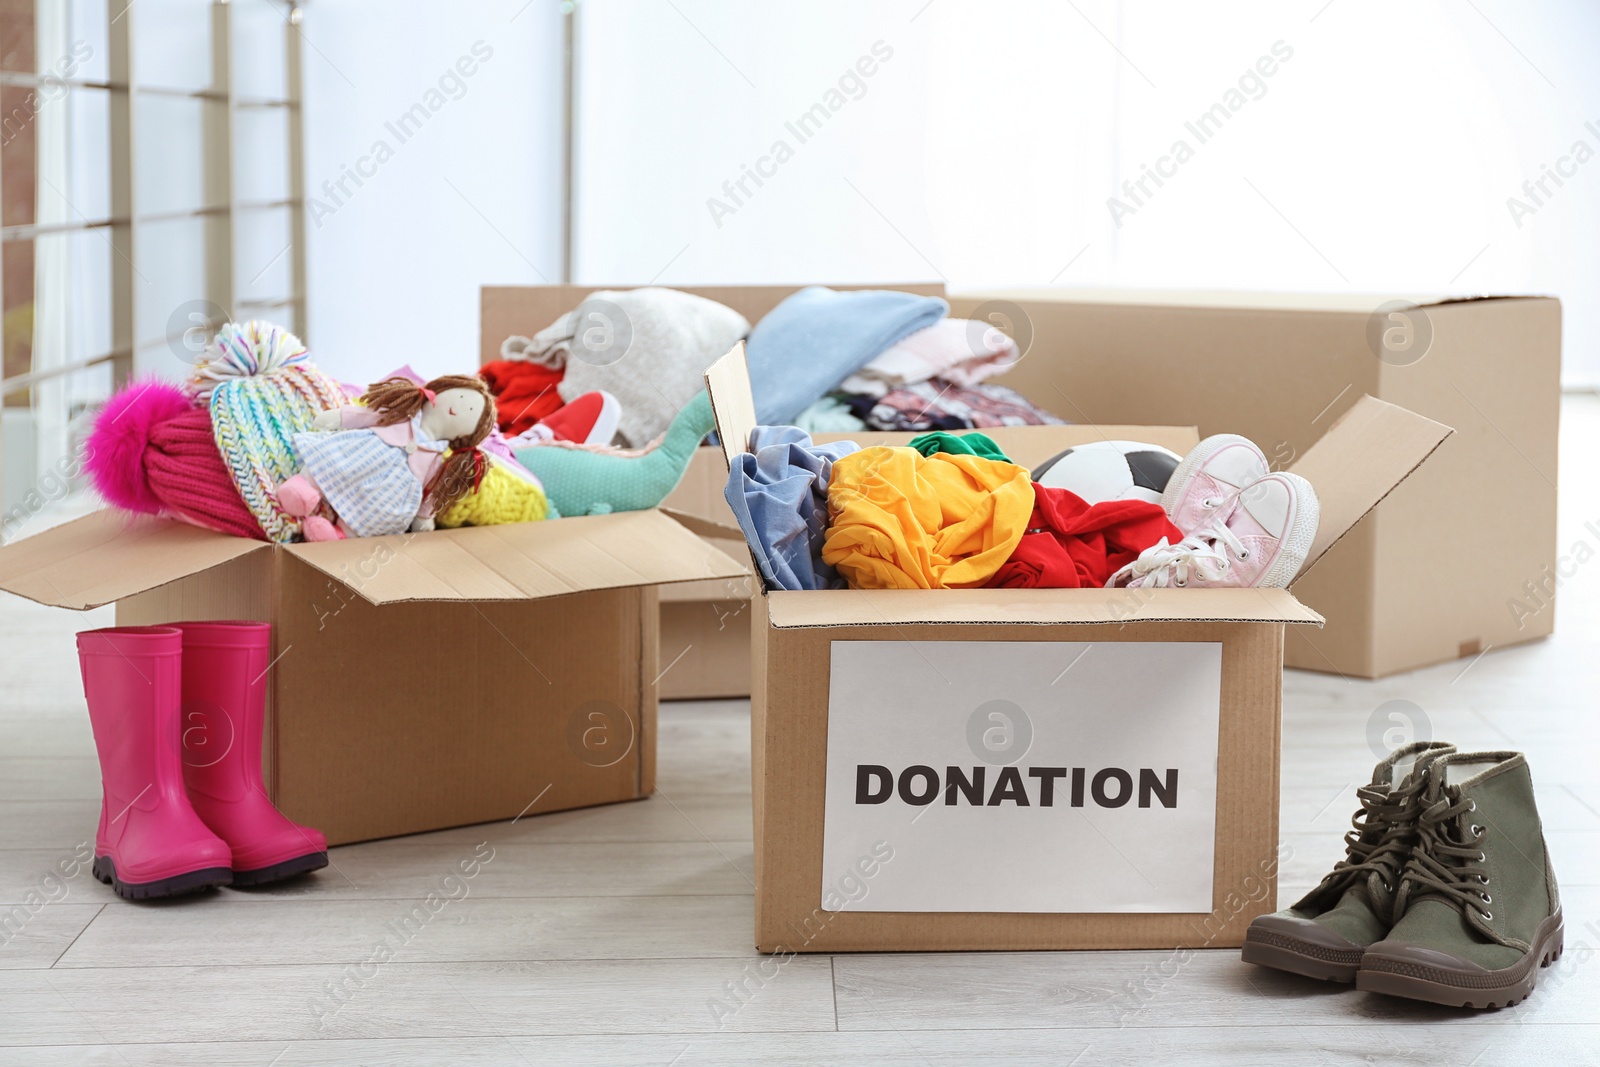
(177, 713)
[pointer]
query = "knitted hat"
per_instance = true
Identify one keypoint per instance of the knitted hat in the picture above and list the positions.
(152, 452)
(262, 389)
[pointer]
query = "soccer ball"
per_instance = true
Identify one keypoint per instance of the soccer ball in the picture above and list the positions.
(1110, 470)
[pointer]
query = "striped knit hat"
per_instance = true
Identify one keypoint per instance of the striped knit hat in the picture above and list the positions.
(262, 389)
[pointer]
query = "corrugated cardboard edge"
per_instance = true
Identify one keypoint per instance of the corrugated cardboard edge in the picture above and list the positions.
(827, 608)
(733, 403)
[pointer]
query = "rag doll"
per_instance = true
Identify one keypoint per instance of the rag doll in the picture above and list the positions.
(392, 462)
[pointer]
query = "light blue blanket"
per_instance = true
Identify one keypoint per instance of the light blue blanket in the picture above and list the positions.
(817, 338)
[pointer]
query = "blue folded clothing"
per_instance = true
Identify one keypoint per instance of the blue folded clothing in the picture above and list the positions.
(779, 493)
(817, 338)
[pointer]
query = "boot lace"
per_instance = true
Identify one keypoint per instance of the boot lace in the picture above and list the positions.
(1383, 832)
(1447, 862)
(1204, 554)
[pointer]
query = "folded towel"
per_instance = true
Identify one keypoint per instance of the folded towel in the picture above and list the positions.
(829, 415)
(779, 493)
(647, 347)
(963, 351)
(816, 338)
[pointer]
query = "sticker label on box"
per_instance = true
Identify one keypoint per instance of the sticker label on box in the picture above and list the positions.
(1021, 776)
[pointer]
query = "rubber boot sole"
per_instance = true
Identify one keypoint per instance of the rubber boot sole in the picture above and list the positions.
(1401, 977)
(278, 872)
(1284, 953)
(176, 886)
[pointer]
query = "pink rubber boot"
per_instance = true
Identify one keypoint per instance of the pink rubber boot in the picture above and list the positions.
(150, 842)
(224, 708)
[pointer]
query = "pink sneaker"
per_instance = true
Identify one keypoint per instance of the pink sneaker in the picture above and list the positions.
(1201, 492)
(1271, 524)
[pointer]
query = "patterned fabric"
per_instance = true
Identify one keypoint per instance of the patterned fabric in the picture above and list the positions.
(942, 405)
(262, 391)
(367, 481)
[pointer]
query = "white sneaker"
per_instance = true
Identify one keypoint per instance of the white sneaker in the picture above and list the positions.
(1202, 491)
(1263, 543)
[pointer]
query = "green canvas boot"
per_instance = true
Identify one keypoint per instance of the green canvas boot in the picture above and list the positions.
(1478, 912)
(1324, 935)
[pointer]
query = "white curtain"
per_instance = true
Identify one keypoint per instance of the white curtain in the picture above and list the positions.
(1362, 146)
(52, 262)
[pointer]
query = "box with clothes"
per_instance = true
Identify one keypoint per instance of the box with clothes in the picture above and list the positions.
(1003, 700)
(852, 359)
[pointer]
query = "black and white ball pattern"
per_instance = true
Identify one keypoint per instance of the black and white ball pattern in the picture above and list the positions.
(1110, 470)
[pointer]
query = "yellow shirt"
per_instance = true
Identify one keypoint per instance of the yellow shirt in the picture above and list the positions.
(899, 520)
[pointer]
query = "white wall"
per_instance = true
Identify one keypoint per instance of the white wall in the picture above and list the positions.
(1378, 157)
(472, 198)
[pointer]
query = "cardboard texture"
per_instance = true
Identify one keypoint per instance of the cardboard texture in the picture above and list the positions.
(791, 639)
(1415, 582)
(418, 681)
(701, 657)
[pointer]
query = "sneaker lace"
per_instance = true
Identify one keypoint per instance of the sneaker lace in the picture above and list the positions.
(1383, 833)
(1447, 861)
(1204, 554)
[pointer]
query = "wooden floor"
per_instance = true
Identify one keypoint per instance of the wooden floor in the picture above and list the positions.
(607, 935)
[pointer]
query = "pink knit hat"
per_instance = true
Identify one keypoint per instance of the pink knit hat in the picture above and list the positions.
(152, 451)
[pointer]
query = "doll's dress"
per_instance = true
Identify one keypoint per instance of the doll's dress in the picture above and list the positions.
(366, 475)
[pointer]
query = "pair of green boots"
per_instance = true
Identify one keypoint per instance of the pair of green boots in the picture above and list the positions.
(1445, 893)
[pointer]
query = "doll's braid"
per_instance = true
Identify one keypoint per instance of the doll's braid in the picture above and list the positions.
(460, 470)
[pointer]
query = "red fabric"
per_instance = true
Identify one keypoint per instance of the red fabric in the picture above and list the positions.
(1071, 544)
(524, 393)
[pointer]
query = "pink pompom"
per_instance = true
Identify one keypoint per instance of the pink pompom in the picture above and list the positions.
(116, 446)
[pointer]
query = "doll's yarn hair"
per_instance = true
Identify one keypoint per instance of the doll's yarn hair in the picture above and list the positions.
(399, 400)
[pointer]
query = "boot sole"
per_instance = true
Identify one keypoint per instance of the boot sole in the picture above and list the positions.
(1266, 949)
(178, 885)
(278, 872)
(1485, 989)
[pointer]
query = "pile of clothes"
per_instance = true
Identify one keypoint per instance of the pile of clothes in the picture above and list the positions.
(822, 360)
(951, 511)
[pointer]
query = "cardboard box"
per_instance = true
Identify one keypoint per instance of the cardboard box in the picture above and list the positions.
(418, 681)
(1422, 580)
(1170, 694)
(705, 636)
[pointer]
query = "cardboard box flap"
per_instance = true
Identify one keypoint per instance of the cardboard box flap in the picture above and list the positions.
(706, 527)
(732, 402)
(1221, 299)
(521, 561)
(860, 607)
(1371, 449)
(108, 555)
